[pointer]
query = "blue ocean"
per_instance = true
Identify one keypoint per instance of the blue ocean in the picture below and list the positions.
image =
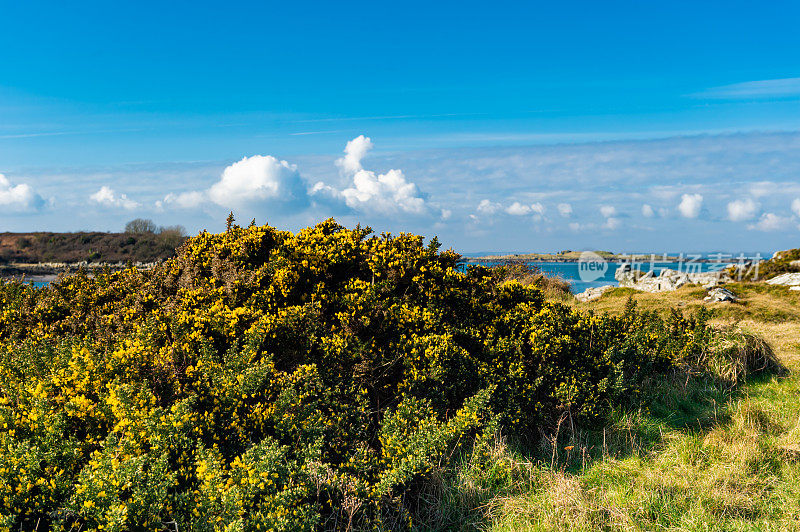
(570, 273)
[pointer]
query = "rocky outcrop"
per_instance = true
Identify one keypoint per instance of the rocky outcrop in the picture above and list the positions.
(719, 294)
(667, 280)
(593, 293)
(791, 280)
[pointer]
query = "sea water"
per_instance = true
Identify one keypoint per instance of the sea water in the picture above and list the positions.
(570, 273)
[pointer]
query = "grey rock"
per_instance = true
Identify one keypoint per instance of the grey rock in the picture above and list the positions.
(593, 293)
(721, 294)
(667, 280)
(786, 279)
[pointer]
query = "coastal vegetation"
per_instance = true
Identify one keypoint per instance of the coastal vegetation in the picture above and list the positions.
(787, 261)
(142, 241)
(338, 379)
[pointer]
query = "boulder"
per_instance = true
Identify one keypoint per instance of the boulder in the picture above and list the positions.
(593, 293)
(667, 280)
(785, 279)
(721, 294)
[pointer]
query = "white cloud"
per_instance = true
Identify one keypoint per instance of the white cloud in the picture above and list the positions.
(690, 205)
(18, 198)
(521, 209)
(386, 194)
(565, 210)
(355, 150)
(647, 211)
(611, 223)
(518, 209)
(771, 222)
(742, 210)
(608, 210)
(257, 179)
(253, 181)
(383, 193)
(488, 207)
(185, 200)
(108, 198)
(796, 206)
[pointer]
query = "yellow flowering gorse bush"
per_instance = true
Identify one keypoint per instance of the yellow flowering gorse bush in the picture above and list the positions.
(264, 380)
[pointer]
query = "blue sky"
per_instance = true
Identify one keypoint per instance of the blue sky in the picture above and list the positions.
(498, 126)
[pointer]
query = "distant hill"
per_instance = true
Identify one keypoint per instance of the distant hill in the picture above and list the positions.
(30, 248)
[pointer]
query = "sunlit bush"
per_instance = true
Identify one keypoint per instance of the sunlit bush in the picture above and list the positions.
(264, 380)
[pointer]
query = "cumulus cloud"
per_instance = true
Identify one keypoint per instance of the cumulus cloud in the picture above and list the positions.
(518, 209)
(771, 222)
(521, 209)
(488, 207)
(690, 205)
(608, 210)
(108, 198)
(796, 206)
(355, 150)
(742, 210)
(18, 198)
(257, 179)
(647, 211)
(386, 194)
(565, 210)
(253, 181)
(611, 223)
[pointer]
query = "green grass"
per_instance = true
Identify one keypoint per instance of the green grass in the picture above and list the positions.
(735, 471)
(705, 454)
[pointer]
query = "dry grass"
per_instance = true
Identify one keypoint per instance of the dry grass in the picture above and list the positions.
(784, 338)
(759, 302)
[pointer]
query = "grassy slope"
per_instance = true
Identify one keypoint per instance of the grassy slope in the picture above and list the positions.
(701, 457)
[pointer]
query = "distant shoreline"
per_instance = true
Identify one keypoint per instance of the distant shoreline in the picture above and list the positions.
(614, 259)
(47, 272)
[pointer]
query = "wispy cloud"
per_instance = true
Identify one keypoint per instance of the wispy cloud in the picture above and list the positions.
(66, 133)
(759, 89)
(382, 117)
(301, 133)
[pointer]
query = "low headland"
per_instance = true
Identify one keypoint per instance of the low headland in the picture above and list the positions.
(44, 255)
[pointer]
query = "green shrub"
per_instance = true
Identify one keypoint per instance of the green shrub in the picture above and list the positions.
(269, 380)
